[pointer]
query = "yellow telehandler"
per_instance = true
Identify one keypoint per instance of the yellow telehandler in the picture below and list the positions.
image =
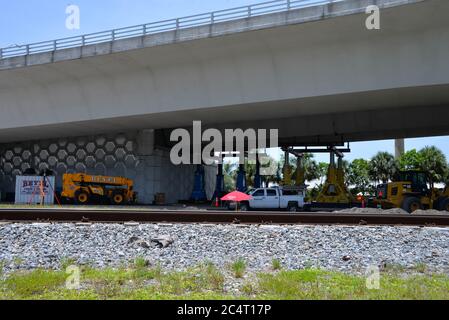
(83, 189)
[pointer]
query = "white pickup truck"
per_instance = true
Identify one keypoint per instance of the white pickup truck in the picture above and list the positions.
(276, 198)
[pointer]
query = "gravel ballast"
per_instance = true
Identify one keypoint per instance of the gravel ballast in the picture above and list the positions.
(176, 247)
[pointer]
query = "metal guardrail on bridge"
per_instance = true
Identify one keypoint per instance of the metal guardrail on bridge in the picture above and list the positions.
(161, 26)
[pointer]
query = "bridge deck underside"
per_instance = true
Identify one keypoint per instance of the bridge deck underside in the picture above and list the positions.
(323, 81)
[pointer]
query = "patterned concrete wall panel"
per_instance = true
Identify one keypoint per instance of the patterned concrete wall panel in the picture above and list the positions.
(94, 155)
(114, 155)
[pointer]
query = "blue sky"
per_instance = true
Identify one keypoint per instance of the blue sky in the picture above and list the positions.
(367, 150)
(27, 21)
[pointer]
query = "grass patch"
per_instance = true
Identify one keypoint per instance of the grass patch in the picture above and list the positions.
(206, 282)
(238, 267)
(205, 277)
(24, 285)
(316, 284)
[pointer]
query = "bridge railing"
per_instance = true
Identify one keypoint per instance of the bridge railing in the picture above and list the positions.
(161, 26)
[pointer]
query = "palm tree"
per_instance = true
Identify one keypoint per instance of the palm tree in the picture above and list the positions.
(358, 175)
(383, 167)
(434, 163)
(229, 171)
(411, 160)
(250, 170)
(322, 170)
(311, 168)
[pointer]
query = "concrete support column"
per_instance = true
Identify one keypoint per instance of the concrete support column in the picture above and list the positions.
(399, 148)
(145, 142)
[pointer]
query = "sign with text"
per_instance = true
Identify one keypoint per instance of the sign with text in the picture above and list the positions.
(30, 189)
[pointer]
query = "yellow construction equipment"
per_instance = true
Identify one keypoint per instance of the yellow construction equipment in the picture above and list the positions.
(411, 191)
(335, 194)
(83, 189)
(287, 170)
(300, 174)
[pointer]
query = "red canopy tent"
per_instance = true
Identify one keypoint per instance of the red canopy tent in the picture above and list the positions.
(236, 196)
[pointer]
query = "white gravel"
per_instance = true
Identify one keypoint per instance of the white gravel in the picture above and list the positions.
(348, 249)
(391, 211)
(374, 211)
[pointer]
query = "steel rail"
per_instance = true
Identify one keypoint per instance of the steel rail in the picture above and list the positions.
(218, 217)
(202, 19)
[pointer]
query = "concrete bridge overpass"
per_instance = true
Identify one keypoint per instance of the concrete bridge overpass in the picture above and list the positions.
(315, 73)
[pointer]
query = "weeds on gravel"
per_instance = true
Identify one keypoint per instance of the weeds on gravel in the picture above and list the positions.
(421, 268)
(276, 264)
(17, 261)
(141, 263)
(238, 267)
(249, 289)
(215, 278)
(205, 277)
(392, 268)
(67, 262)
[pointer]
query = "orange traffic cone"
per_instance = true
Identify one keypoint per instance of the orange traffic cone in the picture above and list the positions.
(217, 204)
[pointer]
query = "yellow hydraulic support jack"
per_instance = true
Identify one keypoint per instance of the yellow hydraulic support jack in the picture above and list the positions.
(335, 194)
(287, 171)
(300, 174)
(334, 190)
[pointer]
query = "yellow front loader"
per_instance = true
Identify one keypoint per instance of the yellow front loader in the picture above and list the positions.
(412, 191)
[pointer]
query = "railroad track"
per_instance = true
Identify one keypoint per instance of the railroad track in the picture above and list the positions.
(218, 217)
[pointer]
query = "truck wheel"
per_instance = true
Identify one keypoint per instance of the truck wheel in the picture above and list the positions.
(118, 198)
(411, 204)
(292, 207)
(244, 207)
(81, 198)
(444, 205)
